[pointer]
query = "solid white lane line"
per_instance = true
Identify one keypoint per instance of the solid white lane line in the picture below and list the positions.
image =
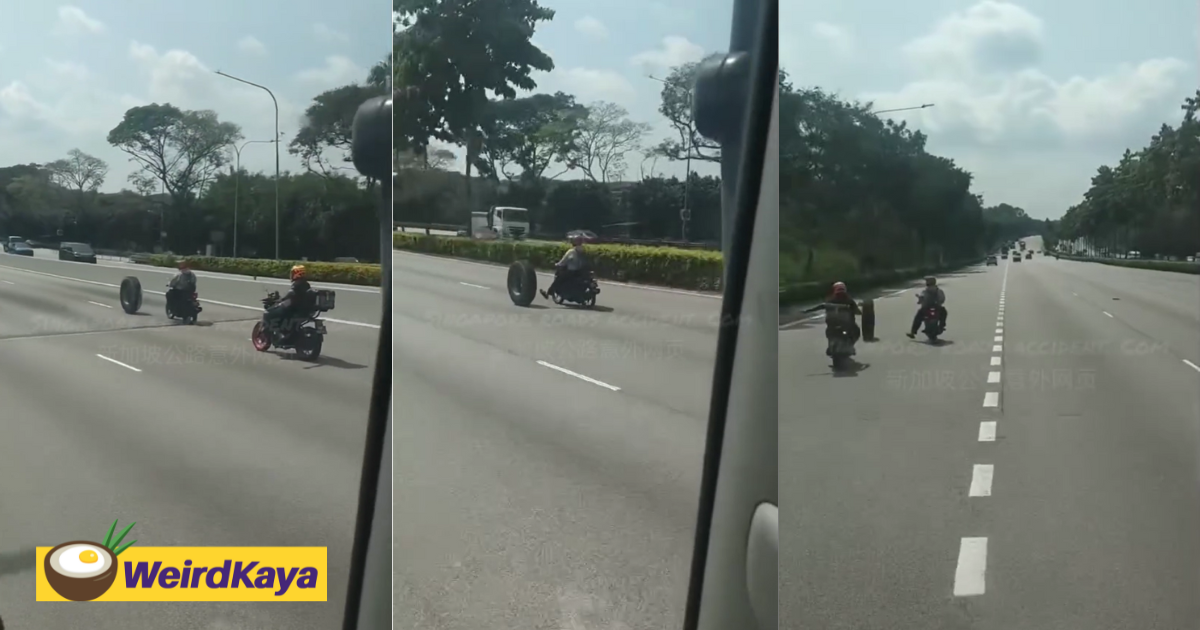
(473, 286)
(1192, 365)
(579, 376)
(99, 304)
(993, 377)
(996, 348)
(991, 399)
(1107, 313)
(972, 567)
(995, 360)
(987, 431)
(124, 365)
(981, 480)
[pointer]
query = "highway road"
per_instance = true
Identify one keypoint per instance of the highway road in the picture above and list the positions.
(547, 459)
(1038, 470)
(184, 430)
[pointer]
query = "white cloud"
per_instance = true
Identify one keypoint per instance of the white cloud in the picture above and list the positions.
(68, 70)
(989, 36)
(18, 102)
(251, 45)
(328, 35)
(73, 21)
(591, 27)
(675, 50)
(336, 72)
(836, 37)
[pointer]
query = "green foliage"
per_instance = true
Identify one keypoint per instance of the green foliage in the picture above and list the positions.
(862, 197)
(1150, 201)
(180, 149)
(448, 54)
(681, 268)
(675, 104)
(342, 273)
(327, 125)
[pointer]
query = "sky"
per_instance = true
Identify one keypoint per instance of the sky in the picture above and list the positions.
(604, 51)
(1030, 96)
(68, 73)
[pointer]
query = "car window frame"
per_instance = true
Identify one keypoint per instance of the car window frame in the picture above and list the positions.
(720, 582)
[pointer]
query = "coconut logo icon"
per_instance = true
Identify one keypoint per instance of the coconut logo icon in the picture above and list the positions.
(81, 570)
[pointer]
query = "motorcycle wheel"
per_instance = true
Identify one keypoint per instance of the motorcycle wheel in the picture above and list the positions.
(522, 283)
(590, 302)
(558, 299)
(131, 295)
(840, 361)
(308, 346)
(260, 338)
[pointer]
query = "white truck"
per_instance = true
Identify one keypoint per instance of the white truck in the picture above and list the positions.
(500, 222)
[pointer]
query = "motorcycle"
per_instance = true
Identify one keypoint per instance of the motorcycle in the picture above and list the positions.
(304, 334)
(932, 323)
(581, 291)
(190, 307)
(839, 335)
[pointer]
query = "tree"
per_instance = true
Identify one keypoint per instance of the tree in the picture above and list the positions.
(604, 137)
(181, 149)
(447, 56)
(79, 171)
(530, 133)
(328, 123)
(676, 106)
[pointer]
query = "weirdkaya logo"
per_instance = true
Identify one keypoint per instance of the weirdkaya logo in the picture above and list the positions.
(86, 571)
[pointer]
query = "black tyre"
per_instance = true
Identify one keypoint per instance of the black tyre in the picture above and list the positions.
(868, 319)
(522, 283)
(131, 295)
(308, 347)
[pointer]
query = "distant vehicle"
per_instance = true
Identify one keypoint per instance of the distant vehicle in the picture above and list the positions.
(1028, 255)
(19, 248)
(77, 252)
(1022, 244)
(503, 221)
(991, 260)
(8, 242)
(1016, 257)
(588, 235)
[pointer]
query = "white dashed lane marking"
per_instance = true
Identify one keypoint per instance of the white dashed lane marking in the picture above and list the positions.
(981, 480)
(987, 431)
(972, 565)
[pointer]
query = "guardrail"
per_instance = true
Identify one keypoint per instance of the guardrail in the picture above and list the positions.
(800, 292)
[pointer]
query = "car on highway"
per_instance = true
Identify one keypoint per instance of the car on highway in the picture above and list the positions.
(587, 235)
(991, 260)
(77, 252)
(1016, 257)
(18, 248)
(8, 242)
(1028, 255)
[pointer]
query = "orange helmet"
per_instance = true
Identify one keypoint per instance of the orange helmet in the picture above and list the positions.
(297, 272)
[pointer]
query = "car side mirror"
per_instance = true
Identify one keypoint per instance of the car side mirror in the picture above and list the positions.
(371, 152)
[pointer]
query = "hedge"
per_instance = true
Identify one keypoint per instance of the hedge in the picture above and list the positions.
(698, 270)
(799, 293)
(344, 273)
(1175, 266)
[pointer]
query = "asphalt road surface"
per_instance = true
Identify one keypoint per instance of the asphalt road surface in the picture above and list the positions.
(184, 430)
(547, 459)
(1037, 470)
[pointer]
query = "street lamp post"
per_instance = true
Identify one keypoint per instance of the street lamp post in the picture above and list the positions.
(902, 109)
(237, 184)
(273, 99)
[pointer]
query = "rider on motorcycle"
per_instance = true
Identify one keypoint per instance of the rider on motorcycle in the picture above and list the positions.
(570, 268)
(295, 302)
(932, 296)
(841, 296)
(182, 286)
